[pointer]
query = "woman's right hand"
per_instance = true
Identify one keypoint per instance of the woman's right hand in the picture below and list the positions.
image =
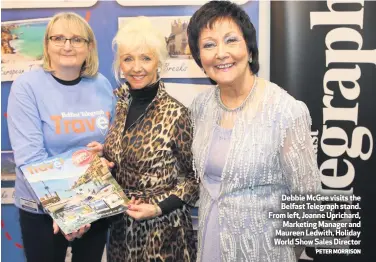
(96, 147)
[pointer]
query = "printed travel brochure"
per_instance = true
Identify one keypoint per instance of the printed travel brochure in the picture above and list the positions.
(75, 188)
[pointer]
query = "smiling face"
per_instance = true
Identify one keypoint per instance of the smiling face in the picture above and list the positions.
(139, 66)
(66, 57)
(223, 52)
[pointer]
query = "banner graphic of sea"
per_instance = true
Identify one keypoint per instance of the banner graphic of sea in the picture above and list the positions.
(30, 39)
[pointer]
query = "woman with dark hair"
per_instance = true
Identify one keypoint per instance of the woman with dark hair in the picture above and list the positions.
(251, 142)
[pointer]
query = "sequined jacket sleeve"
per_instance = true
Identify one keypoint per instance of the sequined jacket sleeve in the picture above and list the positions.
(181, 133)
(296, 154)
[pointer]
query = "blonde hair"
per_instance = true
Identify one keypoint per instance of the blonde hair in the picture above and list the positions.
(74, 22)
(138, 33)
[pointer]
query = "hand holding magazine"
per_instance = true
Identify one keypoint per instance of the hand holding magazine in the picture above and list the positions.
(75, 188)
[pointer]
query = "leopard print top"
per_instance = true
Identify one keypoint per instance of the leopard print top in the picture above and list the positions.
(155, 150)
(153, 160)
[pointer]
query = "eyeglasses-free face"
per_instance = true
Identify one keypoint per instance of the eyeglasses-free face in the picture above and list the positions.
(223, 52)
(139, 66)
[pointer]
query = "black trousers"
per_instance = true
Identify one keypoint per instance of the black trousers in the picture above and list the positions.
(42, 245)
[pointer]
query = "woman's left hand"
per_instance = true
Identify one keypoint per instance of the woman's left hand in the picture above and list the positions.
(107, 163)
(143, 211)
(73, 235)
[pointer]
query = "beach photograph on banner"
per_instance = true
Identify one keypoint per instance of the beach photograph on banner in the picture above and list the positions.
(21, 48)
(180, 63)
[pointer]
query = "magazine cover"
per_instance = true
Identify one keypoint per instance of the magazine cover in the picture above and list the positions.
(75, 188)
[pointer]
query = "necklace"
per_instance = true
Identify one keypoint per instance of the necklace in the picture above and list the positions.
(236, 109)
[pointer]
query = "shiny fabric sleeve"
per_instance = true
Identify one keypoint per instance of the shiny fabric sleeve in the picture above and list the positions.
(182, 131)
(299, 163)
(296, 154)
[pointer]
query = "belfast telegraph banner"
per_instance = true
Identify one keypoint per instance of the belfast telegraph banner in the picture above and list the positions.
(324, 54)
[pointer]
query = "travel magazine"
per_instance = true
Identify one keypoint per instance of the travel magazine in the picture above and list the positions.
(75, 188)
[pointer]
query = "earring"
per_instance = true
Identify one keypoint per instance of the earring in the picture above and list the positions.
(250, 59)
(159, 70)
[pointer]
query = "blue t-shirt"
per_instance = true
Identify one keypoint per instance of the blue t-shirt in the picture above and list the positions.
(46, 118)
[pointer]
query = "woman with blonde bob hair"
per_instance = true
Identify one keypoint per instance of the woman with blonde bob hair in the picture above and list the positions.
(45, 118)
(150, 144)
(73, 21)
